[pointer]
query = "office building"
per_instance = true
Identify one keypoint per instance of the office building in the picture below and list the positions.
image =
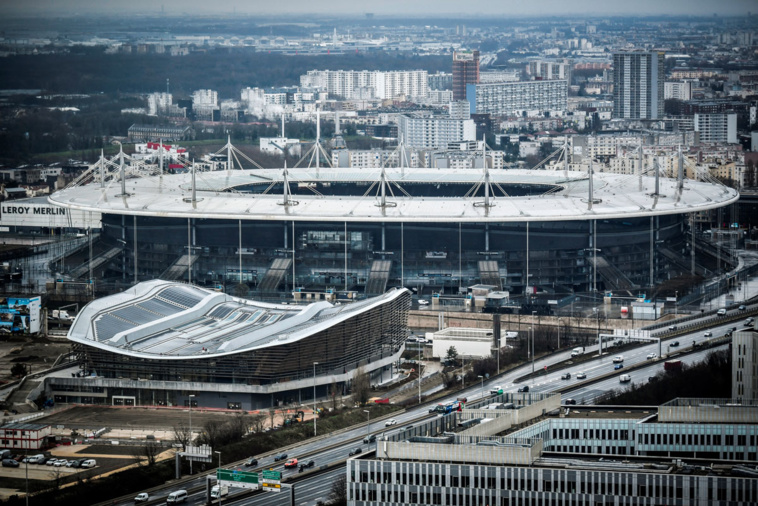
(716, 127)
(514, 98)
(569, 457)
(465, 71)
(745, 365)
(638, 84)
(677, 90)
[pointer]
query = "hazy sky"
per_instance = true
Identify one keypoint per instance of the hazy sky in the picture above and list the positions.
(394, 8)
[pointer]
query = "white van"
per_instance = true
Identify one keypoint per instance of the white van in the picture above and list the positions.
(721, 312)
(89, 463)
(625, 378)
(36, 458)
(177, 497)
(219, 491)
(576, 352)
(618, 359)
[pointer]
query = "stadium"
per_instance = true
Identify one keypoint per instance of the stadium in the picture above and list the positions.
(160, 342)
(317, 231)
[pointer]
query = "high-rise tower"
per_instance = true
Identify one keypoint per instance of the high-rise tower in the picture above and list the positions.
(638, 84)
(465, 71)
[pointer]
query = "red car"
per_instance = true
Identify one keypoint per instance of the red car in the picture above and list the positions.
(290, 463)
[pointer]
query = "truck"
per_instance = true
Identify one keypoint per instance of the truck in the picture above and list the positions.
(625, 378)
(672, 365)
(496, 390)
(219, 491)
(444, 409)
(576, 352)
(294, 418)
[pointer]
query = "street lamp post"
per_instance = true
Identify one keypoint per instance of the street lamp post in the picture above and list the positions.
(191, 396)
(559, 333)
(534, 314)
(218, 482)
(368, 427)
(676, 303)
(482, 378)
(314, 398)
(419, 372)
(597, 320)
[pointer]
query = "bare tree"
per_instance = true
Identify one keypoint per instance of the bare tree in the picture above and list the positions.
(361, 386)
(272, 417)
(338, 494)
(257, 422)
(212, 433)
(56, 478)
(151, 450)
(182, 434)
(333, 394)
(237, 427)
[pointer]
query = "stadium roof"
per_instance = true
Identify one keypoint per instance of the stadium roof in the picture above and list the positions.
(168, 320)
(565, 196)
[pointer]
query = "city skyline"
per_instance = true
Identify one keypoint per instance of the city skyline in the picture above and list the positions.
(390, 9)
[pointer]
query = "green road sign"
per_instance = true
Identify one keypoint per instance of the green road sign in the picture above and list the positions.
(238, 479)
(272, 475)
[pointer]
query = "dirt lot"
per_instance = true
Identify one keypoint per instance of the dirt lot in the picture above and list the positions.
(38, 352)
(96, 417)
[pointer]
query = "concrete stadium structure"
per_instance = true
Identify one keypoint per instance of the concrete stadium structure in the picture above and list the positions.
(159, 342)
(320, 229)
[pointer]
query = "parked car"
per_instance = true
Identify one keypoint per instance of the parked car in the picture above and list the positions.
(51, 462)
(251, 462)
(581, 376)
(618, 366)
(61, 463)
(651, 356)
(674, 344)
(9, 463)
(390, 422)
(143, 497)
(88, 463)
(281, 456)
(71, 463)
(356, 451)
(566, 375)
(523, 389)
(290, 463)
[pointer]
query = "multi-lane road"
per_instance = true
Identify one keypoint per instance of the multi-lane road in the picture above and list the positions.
(335, 448)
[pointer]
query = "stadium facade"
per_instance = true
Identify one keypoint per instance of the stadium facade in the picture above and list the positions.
(160, 342)
(326, 230)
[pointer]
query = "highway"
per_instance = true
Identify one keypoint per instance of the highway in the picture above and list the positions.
(334, 448)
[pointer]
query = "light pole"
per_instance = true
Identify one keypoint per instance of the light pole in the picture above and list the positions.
(314, 398)
(482, 378)
(218, 482)
(191, 396)
(597, 319)
(534, 315)
(368, 427)
(559, 333)
(676, 303)
(419, 371)
(27, 480)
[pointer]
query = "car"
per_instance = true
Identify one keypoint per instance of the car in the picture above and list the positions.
(290, 463)
(672, 327)
(408, 427)
(390, 422)
(749, 322)
(306, 465)
(71, 463)
(570, 402)
(566, 375)
(251, 462)
(708, 334)
(88, 463)
(523, 389)
(742, 307)
(674, 344)
(651, 356)
(9, 463)
(51, 462)
(618, 359)
(423, 302)
(581, 376)
(721, 312)
(61, 463)
(356, 451)
(281, 456)
(618, 366)
(369, 439)
(143, 497)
